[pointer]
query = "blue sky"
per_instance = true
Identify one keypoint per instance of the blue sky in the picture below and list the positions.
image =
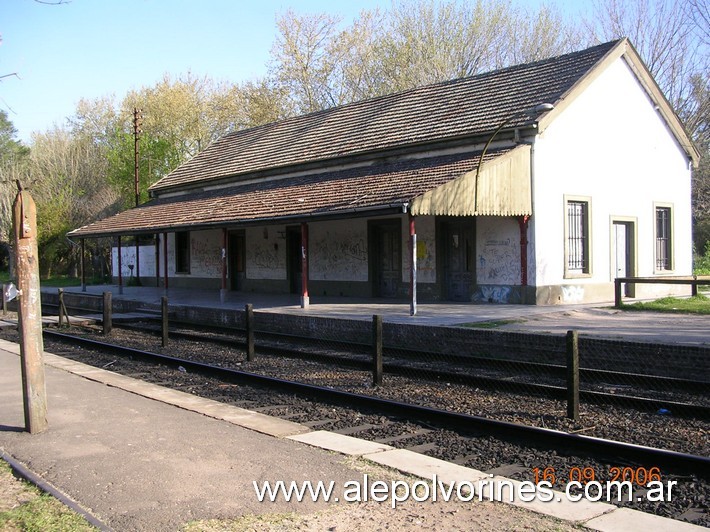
(94, 48)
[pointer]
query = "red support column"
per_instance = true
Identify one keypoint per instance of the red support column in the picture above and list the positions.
(165, 260)
(412, 267)
(523, 223)
(305, 300)
(223, 290)
(120, 272)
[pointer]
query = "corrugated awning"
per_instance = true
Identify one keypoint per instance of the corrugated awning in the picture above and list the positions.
(504, 189)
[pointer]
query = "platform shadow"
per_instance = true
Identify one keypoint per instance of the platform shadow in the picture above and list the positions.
(8, 428)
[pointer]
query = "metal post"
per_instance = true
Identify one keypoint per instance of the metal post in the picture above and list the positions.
(165, 260)
(305, 299)
(523, 224)
(376, 350)
(223, 289)
(249, 323)
(573, 375)
(617, 293)
(120, 268)
(157, 260)
(29, 312)
(82, 265)
(107, 321)
(60, 318)
(413, 267)
(4, 299)
(164, 312)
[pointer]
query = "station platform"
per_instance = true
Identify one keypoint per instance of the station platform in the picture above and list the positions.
(599, 319)
(136, 456)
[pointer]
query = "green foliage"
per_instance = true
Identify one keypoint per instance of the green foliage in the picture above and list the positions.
(702, 263)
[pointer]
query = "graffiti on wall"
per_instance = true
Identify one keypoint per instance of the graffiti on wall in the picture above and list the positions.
(266, 253)
(339, 257)
(573, 294)
(499, 258)
(205, 257)
(426, 252)
(492, 294)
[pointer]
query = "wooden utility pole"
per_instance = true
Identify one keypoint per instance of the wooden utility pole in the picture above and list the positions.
(29, 313)
(137, 119)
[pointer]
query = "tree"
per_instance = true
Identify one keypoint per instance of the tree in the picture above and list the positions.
(13, 155)
(320, 65)
(672, 39)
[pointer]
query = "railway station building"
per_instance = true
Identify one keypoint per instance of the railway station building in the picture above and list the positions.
(539, 183)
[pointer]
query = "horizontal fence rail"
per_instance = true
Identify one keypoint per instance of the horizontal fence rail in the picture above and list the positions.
(694, 282)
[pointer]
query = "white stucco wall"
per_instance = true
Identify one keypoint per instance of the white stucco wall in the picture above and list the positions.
(612, 146)
(498, 251)
(205, 256)
(338, 250)
(128, 254)
(266, 252)
(425, 227)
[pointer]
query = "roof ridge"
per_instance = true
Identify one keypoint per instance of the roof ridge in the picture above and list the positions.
(453, 81)
(458, 108)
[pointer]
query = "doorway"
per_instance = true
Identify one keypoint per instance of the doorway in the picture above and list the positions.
(237, 252)
(294, 259)
(386, 265)
(459, 259)
(622, 253)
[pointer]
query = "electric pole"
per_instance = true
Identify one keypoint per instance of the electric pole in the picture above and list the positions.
(137, 120)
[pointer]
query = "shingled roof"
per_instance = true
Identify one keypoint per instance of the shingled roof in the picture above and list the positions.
(336, 162)
(385, 186)
(455, 109)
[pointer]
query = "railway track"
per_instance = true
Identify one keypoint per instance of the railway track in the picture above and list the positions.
(492, 374)
(556, 439)
(590, 446)
(515, 451)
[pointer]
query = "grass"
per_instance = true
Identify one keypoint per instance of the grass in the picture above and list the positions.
(699, 304)
(493, 324)
(31, 510)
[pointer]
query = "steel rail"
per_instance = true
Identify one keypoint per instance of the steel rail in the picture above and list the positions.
(586, 374)
(358, 361)
(610, 449)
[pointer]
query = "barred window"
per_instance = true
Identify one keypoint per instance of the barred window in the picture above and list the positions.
(663, 238)
(578, 236)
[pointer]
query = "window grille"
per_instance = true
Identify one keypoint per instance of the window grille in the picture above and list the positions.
(663, 238)
(578, 236)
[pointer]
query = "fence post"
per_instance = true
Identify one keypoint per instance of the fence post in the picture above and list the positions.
(249, 322)
(60, 318)
(376, 350)
(573, 375)
(164, 313)
(617, 293)
(4, 299)
(107, 313)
